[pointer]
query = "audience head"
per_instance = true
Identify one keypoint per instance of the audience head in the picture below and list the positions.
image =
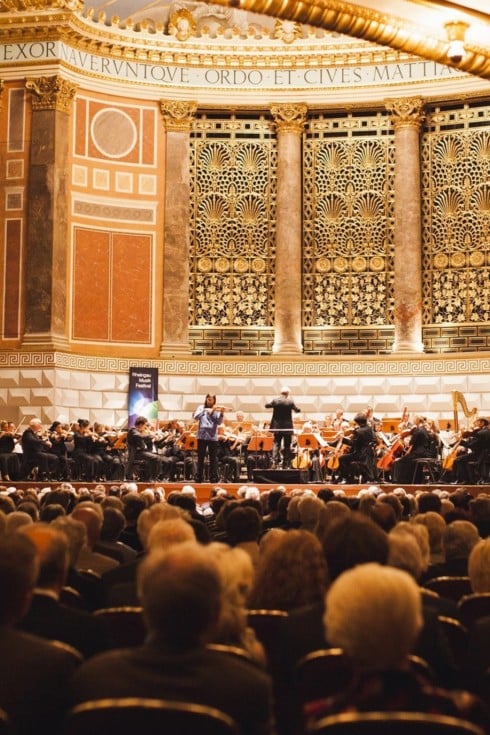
(112, 525)
(165, 534)
(373, 613)
(429, 501)
(351, 540)
(404, 553)
(91, 519)
(291, 573)
(19, 567)
(180, 591)
(76, 534)
(52, 549)
(150, 516)
(310, 509)
(436, 527)
(459, 538)
(479, 566)
(16, 520)
(243, 524)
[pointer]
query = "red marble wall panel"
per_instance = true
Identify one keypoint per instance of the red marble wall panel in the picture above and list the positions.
(112, 128)
(148, 142)
(131, 288)
(80, 127)
(11, 298)
(91, 285)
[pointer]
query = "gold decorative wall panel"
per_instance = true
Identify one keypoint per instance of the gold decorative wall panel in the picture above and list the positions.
(348, 168)
(233, 180)
(456, 223)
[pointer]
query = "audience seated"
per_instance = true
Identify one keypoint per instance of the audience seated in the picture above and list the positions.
(479, 566)
(46, 616)
(458, 539)
(34, 674)
(91, 516)
(180, 591)
(243, 528)
(386, 603)
(113, 524)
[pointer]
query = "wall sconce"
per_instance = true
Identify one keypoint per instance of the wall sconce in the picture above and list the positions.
(456, 31)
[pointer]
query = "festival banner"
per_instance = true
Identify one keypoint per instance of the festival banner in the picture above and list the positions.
(143, 395)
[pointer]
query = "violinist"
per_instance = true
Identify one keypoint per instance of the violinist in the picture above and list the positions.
(209, 417)
(61, 443)
(140, 449)
(420, 444)
(90, 463)
(469, 465)
(9, 458)
(36, 449)
(112, 462)
(360, 458)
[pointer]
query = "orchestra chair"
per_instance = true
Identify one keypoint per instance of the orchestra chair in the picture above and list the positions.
(474, 606)
(270, 629)
(453, 588)
(456, 635)
(126, 625)
(130, 715)
(5, 724)
(321, 674)
(393, 723)
(428, 467)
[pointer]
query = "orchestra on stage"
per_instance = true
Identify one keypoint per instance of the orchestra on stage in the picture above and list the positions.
(220, 446)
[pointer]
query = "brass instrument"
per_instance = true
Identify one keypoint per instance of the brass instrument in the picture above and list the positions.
(471, 415)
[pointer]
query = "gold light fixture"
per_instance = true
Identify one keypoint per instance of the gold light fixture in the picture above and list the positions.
(456, 32)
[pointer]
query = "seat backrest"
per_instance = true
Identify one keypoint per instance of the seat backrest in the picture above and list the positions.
(270, 629)
(456, 634)
(393, 723)
(454, 588)
(474, 606)
(127, 716)
(71, 597)
(125, 624)
(5, 724)
(321, 674)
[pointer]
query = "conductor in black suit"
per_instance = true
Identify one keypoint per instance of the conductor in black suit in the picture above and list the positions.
(282, 426)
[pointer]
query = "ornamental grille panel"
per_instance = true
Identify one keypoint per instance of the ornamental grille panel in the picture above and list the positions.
(348, 175)
(232, 249)
(456, 226)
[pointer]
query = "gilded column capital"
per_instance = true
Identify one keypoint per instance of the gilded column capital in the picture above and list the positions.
(177, 115)
(406, 112)
(51, 93)
(23, 6)
(290, 118)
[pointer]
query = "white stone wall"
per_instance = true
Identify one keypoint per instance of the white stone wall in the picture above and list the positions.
(52, 385)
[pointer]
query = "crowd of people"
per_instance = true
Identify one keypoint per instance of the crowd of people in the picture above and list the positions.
(214, 447)
(340, 571)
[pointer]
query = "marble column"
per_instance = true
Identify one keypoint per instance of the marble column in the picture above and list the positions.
(47, 213)
(407, 116)
(290, 122)
(177, 118)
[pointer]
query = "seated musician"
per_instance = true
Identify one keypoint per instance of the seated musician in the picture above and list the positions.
(469, 465)
(174, 455)
(9, 457)
(311, 441)
(140, 448)
(229, 461)
(360, 458)
(420, 444)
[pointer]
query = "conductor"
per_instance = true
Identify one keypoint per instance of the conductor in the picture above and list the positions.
(282, 426)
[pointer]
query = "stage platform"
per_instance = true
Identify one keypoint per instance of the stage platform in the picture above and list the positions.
(204, 489)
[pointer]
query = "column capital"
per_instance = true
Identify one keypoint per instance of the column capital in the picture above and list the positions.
(290, 118)
(178, 115)
(406, 112)
(51, 93)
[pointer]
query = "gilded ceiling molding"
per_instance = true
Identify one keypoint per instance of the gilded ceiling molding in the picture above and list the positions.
(23, 6)
(290, 118)
(51, 93)
(178, 115)
(351, 20)
(182, 25)
(406, 112)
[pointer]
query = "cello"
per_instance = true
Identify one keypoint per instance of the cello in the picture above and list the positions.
(397, 448)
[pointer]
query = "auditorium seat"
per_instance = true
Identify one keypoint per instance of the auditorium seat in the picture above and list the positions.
(456, 635)
(127, 716)
(453, 588)
(393, 723)
(5, 724)
(474, 606)
(125, 624)
(270, 629)
(321, 674)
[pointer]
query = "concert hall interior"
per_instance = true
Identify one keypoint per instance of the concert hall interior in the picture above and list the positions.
(244, 194)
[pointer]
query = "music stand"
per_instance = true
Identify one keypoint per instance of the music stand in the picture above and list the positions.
(260, 443)
(307, 441)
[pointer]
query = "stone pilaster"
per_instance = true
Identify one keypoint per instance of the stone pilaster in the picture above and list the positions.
(407, 116)
(47, 212)
(177, 118)
(290, 121)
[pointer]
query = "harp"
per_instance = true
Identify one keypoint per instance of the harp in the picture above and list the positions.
(459, 399)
